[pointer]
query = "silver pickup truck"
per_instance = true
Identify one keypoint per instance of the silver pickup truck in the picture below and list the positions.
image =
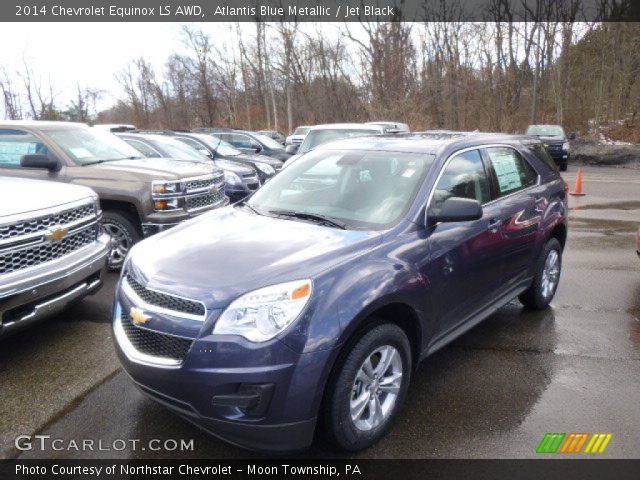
(52, 248)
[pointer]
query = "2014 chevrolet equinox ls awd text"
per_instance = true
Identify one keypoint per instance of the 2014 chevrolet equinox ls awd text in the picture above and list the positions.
(312, 302)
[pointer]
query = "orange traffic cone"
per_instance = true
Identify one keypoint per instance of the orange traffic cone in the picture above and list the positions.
(577, 189)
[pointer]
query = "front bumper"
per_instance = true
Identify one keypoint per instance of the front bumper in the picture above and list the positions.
(258, 396)
(32, 294)
(159, 222)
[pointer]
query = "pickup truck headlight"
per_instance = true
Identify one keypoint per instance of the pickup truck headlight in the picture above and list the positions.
(565, 146)
(232, 178)
(266, 169)
(165, 188)
(260, 315)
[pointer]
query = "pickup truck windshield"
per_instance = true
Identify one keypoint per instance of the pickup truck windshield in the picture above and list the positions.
(361, 189)
(545, 131)
(87, 145)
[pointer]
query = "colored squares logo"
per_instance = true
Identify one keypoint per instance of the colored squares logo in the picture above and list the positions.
(574, 443)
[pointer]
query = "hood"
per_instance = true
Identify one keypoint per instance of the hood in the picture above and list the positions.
(274, 162)
(30, 195)
(553, 140)
(230, 166)
(231, 251)
(155, 168)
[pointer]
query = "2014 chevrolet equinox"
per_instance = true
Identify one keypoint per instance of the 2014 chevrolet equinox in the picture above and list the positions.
(317, 297)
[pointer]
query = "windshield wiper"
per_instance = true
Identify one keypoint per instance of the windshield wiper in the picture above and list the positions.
(323, 219)
(244, 203)
(104, 160)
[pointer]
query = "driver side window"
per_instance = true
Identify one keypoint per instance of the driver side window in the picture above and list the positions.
(16, 143)
(465, 177)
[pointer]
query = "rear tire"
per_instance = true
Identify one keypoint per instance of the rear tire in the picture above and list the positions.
(124, 234)
(547, 276)
(368, 388)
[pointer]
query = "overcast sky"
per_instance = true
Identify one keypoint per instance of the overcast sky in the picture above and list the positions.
(89, 53)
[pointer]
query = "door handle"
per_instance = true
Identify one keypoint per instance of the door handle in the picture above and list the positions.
(494, 224)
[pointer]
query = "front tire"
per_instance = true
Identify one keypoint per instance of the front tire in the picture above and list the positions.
(368, 388)
(124, 235)
(545, 282)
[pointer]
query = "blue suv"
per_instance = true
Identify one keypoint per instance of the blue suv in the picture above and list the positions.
(311, 303)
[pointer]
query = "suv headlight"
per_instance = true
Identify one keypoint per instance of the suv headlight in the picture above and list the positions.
(232, 178)
(565, 146)
(266, 169)
(260, 315)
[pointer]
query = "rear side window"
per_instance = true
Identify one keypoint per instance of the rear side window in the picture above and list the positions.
(16, 143)
(539, 151)
(512, 171)
(464, 176)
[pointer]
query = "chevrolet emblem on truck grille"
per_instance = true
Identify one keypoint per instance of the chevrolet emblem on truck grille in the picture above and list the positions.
(56, 234)
(214, 189)
(138, 316)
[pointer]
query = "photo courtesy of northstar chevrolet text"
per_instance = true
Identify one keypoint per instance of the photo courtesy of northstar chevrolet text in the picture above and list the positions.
(370, 238)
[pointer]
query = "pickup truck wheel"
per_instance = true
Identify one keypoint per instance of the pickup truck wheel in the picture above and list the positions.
(368, 388)
(547, 276)
(123, 234)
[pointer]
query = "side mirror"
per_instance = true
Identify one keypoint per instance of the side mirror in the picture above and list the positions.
(39, 160)
(572, 136)
(292, 149)
(205, 152)
(256, 147)
(457, 209)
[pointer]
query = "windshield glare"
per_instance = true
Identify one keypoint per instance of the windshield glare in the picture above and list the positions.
(268, 142)
(179, 150)
(89, 145)
(545, 131)
(225, 149)
(318, 137)
(363, 189)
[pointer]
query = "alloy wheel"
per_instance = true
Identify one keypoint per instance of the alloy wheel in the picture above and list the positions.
(376, 387)
(120, 244)
(550, 273)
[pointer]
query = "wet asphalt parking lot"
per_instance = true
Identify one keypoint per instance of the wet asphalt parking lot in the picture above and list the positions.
(493, 393)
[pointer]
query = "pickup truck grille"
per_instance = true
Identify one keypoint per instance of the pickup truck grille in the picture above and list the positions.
(202, 201)
(166, 301)
(203, 183)
(30, 242)
(43, 223)
(18, 259)
(155, 343)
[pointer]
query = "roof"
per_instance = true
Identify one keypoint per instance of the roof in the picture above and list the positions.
(346, 126)
(45, 125)
(416, 143)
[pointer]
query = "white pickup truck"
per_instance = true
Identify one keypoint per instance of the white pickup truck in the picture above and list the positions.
(52, 248)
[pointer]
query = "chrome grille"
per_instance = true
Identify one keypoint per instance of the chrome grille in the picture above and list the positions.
(166, 301)
(202, 201)
(29, 256)
(203, 183)
(155, 343)
(41, 224)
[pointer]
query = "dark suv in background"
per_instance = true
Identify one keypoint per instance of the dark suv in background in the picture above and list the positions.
(555, 140)
(316, 298)
(249, 142)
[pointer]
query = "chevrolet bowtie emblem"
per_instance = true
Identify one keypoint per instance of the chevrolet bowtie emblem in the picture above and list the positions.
(138, 316)
(214, 189)
(56, 234)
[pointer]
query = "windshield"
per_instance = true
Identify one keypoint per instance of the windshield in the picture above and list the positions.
(225, 149)
(362, 189)
(545, 131)
(178, 150)
(88, 145)
(302, 130)
(318, 137)
(268, 142)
